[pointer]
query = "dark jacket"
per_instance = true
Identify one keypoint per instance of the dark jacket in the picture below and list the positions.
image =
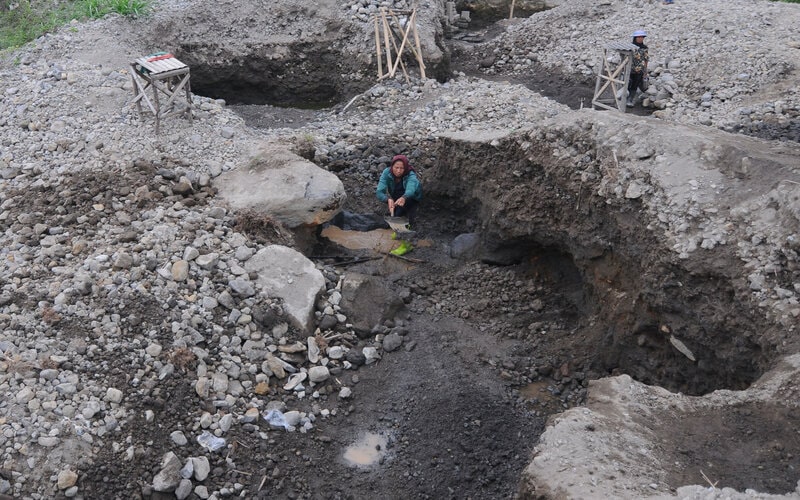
(640, 59)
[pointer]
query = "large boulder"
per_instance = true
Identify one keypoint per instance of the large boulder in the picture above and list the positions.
(289, 275)
(284, 186)
(615, 446)
(368, 302)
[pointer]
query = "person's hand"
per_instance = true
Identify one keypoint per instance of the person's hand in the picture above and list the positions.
(401, 202)
(391, 206)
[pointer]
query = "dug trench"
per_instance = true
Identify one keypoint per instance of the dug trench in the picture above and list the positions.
(563, 287)
(567, 288)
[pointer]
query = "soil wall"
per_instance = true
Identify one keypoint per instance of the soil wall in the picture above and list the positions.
(663, 320)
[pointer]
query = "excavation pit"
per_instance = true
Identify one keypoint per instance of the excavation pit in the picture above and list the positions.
(577, 283)
(584, 291)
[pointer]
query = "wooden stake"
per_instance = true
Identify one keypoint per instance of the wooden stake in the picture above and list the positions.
(354, 99)
(398, 52)
(713, 485)
(407, 259)
(403, 43)
(419, 50)
(511, 15)
(386, 35)
(378, 47)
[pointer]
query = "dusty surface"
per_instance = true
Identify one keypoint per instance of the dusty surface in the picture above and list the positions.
(608, 245)
(641, 422)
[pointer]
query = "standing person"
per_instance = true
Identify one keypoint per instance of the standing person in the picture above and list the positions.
(639, 65)
(400, 189)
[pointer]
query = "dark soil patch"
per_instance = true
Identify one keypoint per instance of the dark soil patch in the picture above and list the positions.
(753, 446)
(453, 428)
(267, 116)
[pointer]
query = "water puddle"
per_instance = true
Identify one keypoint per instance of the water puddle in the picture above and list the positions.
(541, 393)
(377, 240)
(369, 450)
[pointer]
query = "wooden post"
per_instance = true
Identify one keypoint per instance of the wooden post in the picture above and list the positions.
(403, 43)
(511, 15)
(389, 19)
(398, 51)
(378, 47)
(386, 35)
(414, 26)
(419, 50)
(154, 84)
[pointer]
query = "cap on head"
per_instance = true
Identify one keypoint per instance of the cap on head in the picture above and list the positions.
(639, 33)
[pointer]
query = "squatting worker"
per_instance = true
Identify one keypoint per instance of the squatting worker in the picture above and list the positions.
(400, 189)
(638, 66)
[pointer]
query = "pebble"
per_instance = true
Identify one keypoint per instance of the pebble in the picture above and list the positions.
(202, 468)
(179, 438)
(67, 479)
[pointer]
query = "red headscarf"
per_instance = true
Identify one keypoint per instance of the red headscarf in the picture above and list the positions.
(406, 165)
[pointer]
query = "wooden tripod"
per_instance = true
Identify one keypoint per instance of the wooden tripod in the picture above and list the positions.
(389, 29)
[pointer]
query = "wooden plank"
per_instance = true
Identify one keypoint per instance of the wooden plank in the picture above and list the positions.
(170, 62)
(167, 74)
(177, 89)
(161, 66)
(142, 95)
(400, 28)
(398, 52)
(627, 46)
(601, 105)
(612, 76)
(597, 80)
(162, 75)
(621, 101)
(418, 51)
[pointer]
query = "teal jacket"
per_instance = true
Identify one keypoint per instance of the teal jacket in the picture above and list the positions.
(410, 183)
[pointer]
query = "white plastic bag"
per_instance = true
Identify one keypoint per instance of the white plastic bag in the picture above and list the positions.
(210, 441)
(276, 419)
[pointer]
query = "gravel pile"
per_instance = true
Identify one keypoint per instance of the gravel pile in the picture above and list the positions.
(363, 10)
(99, 215)
(723, 63)
(122, 276)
